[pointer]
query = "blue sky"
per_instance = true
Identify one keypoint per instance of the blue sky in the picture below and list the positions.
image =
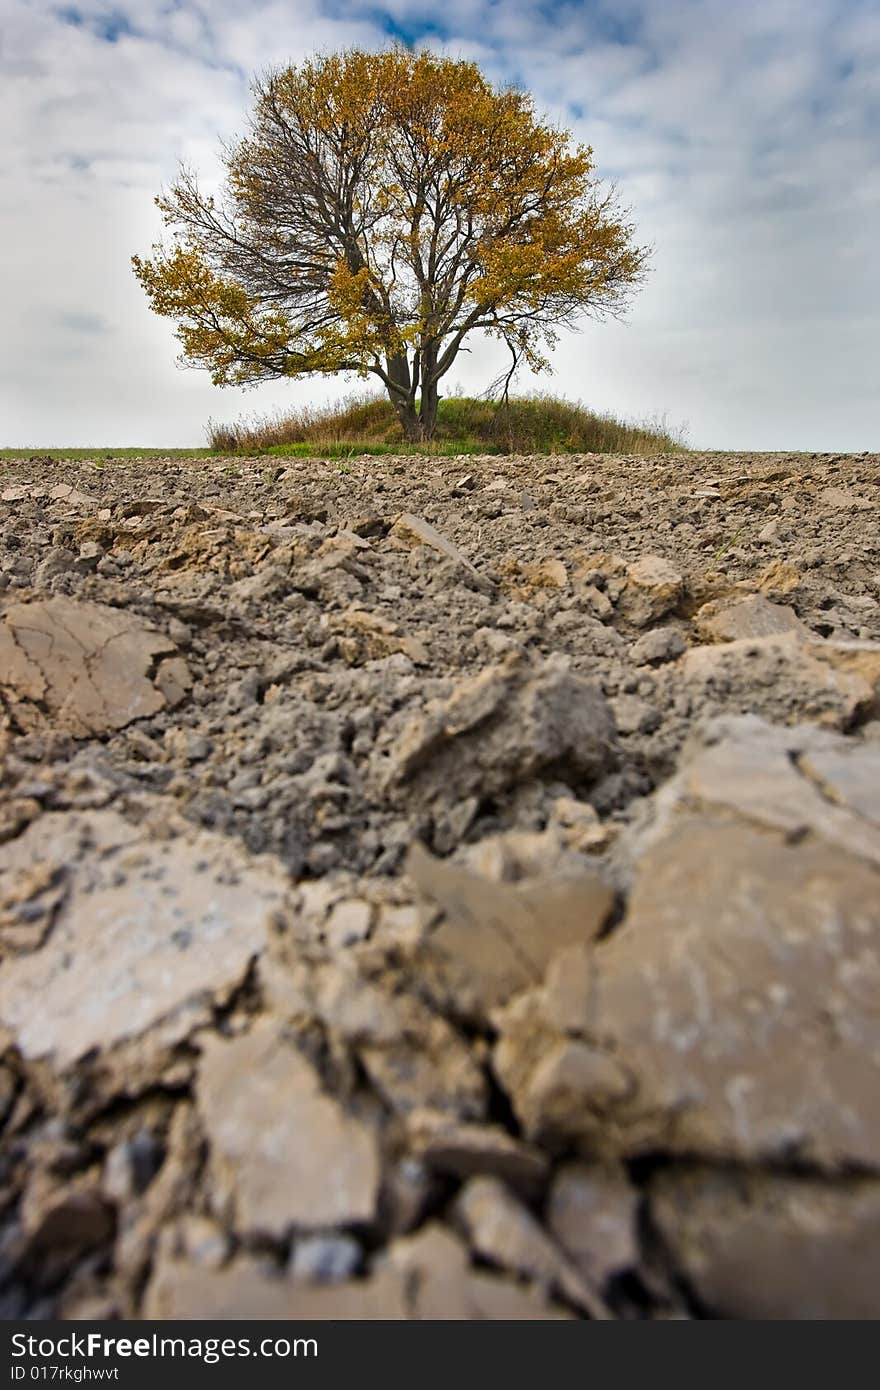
(744, 137)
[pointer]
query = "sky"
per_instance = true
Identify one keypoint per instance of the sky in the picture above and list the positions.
(744, 138)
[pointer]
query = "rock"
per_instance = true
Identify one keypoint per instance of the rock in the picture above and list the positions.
(841, 498)
(325, 1259)
(816, 1243)
(72, 1221)
(789, 678)
(83, 663)
(412, 529)
(658, 645)
(633, 715)
(429, 1066)
(130, 1166)
(506, 725)
(464, 1150)
(778, 577)
(349, 921)
(442, 1287)
(596, 601)
(848, 776)
(754, 616)
(59, 560)
(73, 499)
(203, 1241)
(363, 636)
(653, 589)
(530, 580)
(246, 1289)
(500, 1229)
(592, 1212)
(795, 781)
(89, 555)
(173, 679)
(283, 1154)
(736, 1025)
(631, 986)
(495, 939)
(151, 933)
(557, 1084)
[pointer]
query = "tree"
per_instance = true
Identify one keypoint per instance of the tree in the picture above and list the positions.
(380, 208)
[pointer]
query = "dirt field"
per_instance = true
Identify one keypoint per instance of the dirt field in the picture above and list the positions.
(440, 888)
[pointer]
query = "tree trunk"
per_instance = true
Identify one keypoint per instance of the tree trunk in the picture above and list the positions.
(428, 411)
(402, 396)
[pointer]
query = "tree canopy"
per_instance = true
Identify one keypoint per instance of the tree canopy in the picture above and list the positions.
(380, 208)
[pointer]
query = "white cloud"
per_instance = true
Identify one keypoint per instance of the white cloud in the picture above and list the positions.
(745, 139)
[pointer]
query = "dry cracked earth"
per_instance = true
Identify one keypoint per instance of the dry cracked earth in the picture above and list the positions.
(440, 888)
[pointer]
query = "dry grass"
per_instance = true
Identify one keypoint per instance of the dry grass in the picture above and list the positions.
(465, 425)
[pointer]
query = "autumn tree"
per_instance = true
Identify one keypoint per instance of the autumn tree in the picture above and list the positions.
(380, 208)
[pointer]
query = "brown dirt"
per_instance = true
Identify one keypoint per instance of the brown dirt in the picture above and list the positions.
(263, 1051)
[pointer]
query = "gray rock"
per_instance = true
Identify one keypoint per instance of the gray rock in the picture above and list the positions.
(659, 645)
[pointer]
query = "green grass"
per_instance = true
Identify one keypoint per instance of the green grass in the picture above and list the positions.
(102, 455)
(343, 450)
(366, 424)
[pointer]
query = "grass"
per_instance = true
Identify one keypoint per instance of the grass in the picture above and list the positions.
(101, 455)
(366, 424)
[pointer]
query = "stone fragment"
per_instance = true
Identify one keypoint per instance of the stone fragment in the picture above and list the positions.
(283, 1154)
(794, 781)
(658, 645)
(150, 934)
(770, 531)
(86, 665)
(848, 775)
(592, 1212)
(509, 724)
(754, 616)
(525, 580)
(246, 1289)
(325, 1259)
(442, 1287)
(633, 715)
(414, 530)
(772, 1245)
(494, 938)
(69, 1222)
(464, 1150)
(500, 1229)
(779, 577)
(90, 552)
(653, 589)
(844, 499)
(58, 560)
(832, 683)
(349, 921)
(203, 1241)
(73, 499)
(363, 636)
(734, 1004)
(30, 894)
(173, 679)
(430, 1066)
(598, 602)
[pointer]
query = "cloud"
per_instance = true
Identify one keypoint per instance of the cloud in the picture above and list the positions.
(82, 321)
(744, 138)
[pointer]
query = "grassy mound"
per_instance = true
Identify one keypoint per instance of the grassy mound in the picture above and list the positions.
(366, 424)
